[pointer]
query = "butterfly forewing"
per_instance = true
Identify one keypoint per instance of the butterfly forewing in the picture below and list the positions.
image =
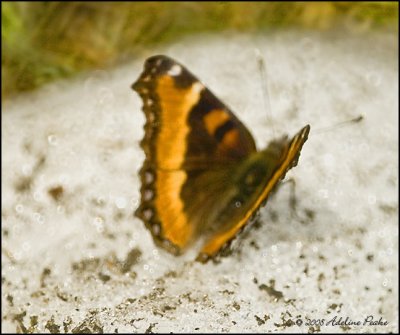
(187, 129)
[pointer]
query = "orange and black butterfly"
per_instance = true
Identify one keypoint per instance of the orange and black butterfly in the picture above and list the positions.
(202, 175)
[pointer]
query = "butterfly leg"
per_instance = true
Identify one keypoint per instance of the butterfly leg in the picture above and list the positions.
(308, 213)
(292, 199)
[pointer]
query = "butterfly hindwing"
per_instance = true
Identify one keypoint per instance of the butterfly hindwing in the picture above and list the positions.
(272, 163)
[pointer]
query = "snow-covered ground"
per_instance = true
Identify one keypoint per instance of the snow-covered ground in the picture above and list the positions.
(74, 258)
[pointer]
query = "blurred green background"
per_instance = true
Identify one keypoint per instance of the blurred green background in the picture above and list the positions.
(44, 41)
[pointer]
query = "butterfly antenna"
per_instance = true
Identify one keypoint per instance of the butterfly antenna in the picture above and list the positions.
(264, 86)
(338, 125)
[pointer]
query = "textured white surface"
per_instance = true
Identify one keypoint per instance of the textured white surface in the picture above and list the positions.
(70, 257)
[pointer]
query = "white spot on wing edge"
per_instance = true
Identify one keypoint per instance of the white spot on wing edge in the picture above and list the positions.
(148, 194)
(197, 87)
(175, 70)
(149, 177)
(156, 229)
(158, 62)
(148, 213)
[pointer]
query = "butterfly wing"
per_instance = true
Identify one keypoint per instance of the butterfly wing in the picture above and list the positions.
(188, 133)
(263, 171)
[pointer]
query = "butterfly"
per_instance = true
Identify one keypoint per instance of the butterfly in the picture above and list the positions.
(202, 175)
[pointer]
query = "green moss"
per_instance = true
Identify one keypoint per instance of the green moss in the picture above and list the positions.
(44, 41)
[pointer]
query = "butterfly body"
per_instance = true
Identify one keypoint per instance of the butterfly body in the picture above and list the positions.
(202, 176)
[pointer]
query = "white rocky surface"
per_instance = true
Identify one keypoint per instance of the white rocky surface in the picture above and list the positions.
(74, 259)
